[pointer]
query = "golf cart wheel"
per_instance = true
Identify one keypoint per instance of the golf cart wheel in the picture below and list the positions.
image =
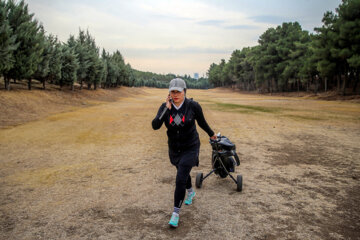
(239, 183)
(199, 180)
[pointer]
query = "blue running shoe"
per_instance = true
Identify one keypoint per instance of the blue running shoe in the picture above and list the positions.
(174, 221)
(190, 197)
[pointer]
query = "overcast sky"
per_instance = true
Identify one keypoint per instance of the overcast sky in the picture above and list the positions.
(175, 36)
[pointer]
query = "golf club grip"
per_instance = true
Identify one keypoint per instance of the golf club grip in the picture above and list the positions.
(163, 113)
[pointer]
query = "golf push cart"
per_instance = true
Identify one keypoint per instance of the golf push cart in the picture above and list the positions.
(222, 161)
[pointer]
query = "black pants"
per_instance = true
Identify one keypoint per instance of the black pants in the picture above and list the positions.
(184, 161)
(183, 182)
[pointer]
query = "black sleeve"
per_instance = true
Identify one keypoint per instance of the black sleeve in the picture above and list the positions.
(199, 116)
(157, 123)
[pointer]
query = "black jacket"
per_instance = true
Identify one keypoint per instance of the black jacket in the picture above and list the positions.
(181, 125)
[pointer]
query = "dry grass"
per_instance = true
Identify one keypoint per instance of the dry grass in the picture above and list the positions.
(93, 168)
(20, 106)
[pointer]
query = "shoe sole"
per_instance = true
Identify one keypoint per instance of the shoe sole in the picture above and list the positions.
(173, 226)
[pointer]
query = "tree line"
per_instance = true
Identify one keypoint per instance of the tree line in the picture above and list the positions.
(150, 79)
(289, 58)
(27, 53)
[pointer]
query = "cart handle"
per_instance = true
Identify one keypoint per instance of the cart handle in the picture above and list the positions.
(237, 159)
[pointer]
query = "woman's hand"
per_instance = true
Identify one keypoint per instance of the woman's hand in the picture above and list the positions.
(168, 103)
(213, 137)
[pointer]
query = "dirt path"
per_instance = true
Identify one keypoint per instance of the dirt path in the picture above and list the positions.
(101, 172)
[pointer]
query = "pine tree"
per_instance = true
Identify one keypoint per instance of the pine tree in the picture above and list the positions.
(295, 51)
(308, 70)
(70, 64)
(83, 53)
(105, 68)
(131, 75)
(29, 37)
(348, 25)
(93, 74)
(119, 68)
(247, 71)
(43, 68)
(7, 44)
(55, 61)
(268, 59)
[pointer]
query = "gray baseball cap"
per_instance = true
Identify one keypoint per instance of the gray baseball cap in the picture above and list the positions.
(177, 84)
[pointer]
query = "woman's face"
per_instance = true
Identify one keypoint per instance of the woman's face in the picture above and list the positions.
(177, 97)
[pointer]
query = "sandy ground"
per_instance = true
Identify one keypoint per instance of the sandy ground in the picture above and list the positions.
(101, 172)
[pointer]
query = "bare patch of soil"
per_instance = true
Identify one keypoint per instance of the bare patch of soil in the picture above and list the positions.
(330, 183)
(99, 171)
